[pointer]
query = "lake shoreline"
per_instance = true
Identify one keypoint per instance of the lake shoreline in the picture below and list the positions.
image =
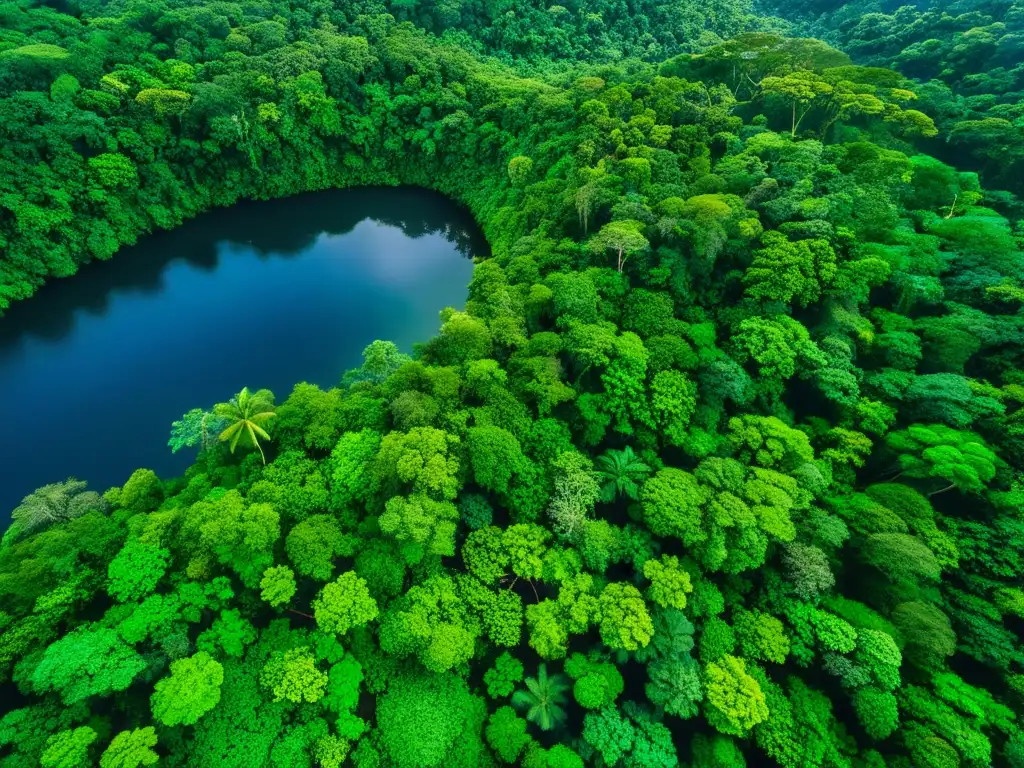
(340, 266)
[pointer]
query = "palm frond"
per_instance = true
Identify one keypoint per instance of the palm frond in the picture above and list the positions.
(228, 433)
(250, 430)
(543, 698)
(246, 412)
(253, 427)
(621, 473)
(522, 700)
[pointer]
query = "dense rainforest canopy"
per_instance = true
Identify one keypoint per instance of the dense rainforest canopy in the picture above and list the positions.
(720, 465)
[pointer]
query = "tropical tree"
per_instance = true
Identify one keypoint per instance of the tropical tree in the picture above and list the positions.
(543, 699)
(621, 473)
(623, 237)
(90, 661)
(68, 749)
(189, 692)
(246, 414)
(935, 452)
(130, 749)
(54, 503)
(278, 585)
(802, 88)
(197, 427)
(343, 604)
(575, 492)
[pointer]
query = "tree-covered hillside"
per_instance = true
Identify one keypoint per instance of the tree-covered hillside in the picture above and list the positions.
(968, 60)
(720, 465)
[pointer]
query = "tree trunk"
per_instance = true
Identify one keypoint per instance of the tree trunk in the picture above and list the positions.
(580, 375)
(620, 259)
(534, 590)
(300, 613)
(796, 122)
(947, 488)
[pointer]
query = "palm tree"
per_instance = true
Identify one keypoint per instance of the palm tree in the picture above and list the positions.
(246, 413)
(621, 472)
(543, 699)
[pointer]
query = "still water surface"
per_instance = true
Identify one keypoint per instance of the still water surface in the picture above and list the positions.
(94, 369)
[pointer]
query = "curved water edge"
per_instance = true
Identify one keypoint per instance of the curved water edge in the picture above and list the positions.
(93, 369)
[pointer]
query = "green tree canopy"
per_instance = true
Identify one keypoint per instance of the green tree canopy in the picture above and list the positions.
(192, 689)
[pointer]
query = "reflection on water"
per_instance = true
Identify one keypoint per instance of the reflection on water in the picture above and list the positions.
(94, 368)
(279, 228)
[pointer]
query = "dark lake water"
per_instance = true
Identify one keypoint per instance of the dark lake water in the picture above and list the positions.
(94, 369)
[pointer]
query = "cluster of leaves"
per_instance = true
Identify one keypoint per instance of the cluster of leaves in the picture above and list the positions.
(729, 430)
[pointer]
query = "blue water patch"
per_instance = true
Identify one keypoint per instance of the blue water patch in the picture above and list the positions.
(94, 368)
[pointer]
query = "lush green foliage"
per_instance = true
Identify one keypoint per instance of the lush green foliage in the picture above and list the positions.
(729, 430)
